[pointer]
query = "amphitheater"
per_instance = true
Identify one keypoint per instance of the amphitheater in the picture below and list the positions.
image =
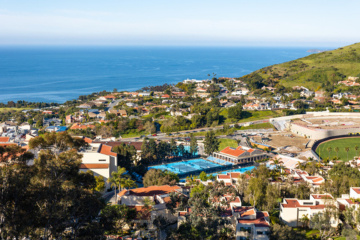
(319, 125)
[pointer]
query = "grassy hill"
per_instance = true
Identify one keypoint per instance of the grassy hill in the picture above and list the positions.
(314, 70)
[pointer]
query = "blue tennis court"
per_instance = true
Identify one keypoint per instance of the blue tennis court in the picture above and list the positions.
(187, 166)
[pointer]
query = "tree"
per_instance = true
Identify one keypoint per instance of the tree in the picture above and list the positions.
(241, 184)
(329, 150)
(126, 155)
(182, 150)
(356, 148)
(193, 145)
(150, 127)
(337, 150)
(279, 232)
(205, 218)
(305, 219)
(157, 177)
(30, 121)
(100, 183)
(350, 234)
(113, 218)
(322, 222)
(203, 176)
(235, 112)
(114, 182)
(347, 152)
(39, 123)
(255, 192)
(211, 143)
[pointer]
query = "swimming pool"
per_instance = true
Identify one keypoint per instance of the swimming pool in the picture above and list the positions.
(241, 170)
(187, 166)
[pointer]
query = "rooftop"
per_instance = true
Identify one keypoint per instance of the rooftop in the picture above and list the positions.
(150, 191)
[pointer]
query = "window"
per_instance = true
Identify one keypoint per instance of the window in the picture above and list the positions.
(308, 203)
(102, 160)
(259, 233)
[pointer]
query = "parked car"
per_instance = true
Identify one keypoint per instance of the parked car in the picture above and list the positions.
(154, 135)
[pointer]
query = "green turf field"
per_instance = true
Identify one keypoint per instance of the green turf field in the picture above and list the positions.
(341, 144)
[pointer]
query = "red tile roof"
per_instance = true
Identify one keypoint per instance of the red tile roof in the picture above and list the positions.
(151, 191)
(88, 140)
(322, 196)
(79, 126)
(357, 190)
(107, 150)
(293, 203)
(232, 152)
(223, 176)
(96, 165)
(235, 174)
(258, 222)
(4, 139)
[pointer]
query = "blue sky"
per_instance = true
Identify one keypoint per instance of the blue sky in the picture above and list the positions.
(315, 23)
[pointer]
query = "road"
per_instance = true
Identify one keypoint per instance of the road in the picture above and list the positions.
(113, 104)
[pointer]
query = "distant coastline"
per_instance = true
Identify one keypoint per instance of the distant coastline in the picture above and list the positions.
(61, 74)
(316, 51)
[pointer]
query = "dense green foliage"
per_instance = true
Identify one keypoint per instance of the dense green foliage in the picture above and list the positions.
(314, 71)
(157, 177)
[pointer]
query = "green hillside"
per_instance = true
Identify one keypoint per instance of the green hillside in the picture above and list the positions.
(314, 71)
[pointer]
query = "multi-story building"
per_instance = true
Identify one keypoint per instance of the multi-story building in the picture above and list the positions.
(292, 210)
(240, 155)
(99, 158)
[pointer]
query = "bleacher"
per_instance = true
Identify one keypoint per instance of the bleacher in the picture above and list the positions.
(280, 125)
(219, 161)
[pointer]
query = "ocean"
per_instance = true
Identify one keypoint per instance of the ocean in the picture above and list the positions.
(57, 74)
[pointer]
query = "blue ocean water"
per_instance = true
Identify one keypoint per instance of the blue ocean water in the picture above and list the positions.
(57, 74)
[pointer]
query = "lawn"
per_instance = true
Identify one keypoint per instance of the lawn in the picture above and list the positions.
(225, 142)
(341, 144)
(258, 126)
(249, 116)
(133, 134)
(13, 109)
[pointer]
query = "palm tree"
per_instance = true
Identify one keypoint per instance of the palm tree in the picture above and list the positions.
(329, 150)
(337, 150)
(116, 179)
(356, 148)
(277, 163)
(305, 219)
(114, 183)
(347, 152)
(120, 175)
(128, 183)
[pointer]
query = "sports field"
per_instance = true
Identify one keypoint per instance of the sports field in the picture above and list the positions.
(342, 143)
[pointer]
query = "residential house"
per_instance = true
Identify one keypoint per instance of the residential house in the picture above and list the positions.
(144, 94)
(292, 210)
(159, 195)
(271, 89)
(81, 126)
(199, 89)
(107, 97)
(251, 223)
(86, 105)
(69, 119)
(320, 94)
(52, 121)
(118, 112)
(99, 159)
(240, 91)
(137, 146)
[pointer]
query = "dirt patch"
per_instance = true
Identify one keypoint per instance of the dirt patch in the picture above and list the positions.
(286, 139)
